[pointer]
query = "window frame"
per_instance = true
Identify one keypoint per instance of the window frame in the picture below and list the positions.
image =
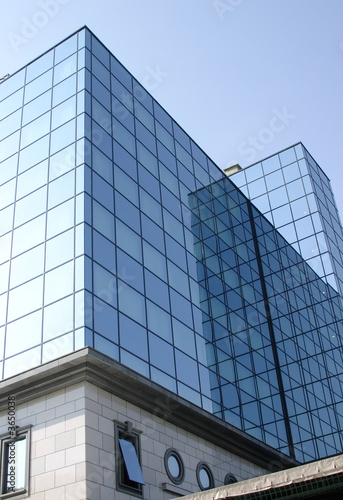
(126, 432)
(172, 452)
(204, 466)
(5, 440)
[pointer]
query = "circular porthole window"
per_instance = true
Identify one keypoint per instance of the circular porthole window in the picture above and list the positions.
(204, 476)
(174, 466)
(230, 479)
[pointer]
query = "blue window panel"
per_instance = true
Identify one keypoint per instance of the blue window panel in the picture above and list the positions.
(131, 461)
(295, 190)
(184, 157)
(121, 73)
(101, 139)
(144, 116)
(133, 337)
(25, 299)
(58, 318)
(61, 189)
(27, 266)
(100, 52)
(4, 274)
(63, 113)
(24, 333)
(163, 379)
(278, 197)
(124, 137)
(130, 271)
(159, 321)
(28, 235)
(150, 207)
(60, 249)
(161, 354)
(291, 172)
(59, 283)
(122, 94)
(5, 247)
(182, 137)
(105, 320)
(7, 194)
(128, 240)
(60, 218)
(65, 49)
(38, 87)
(149, 183)
(287, 156)
(187, 370)
(105, 285)
(274, 180)
(127, 212)
(170, 181)
(146, 137)
(103, 192)
(171, 203)
(103, 221)
(101, 93)
(162, 116)
(165, 138)
(64, 90)
(62, 137)
(184, 338)
(11, 103)
(137, 364)
(22, 362)
(147, 159)
(154, 261)
(65, 69)
(178, 280)
(9, 146)
(104, 252)
(156, 290)
(123, 115)
(124, 160)
(142, 95)
(8, 169)
(181, 308)
(173, 227)
(103, 345)
(101, 116)
(131, 303)
(40, 66)
(152, 233)
(10, 124)
(12, 84)
(202, 177)
(126, 186)
(166, 158)
(271, 164)
(35, 130)
(102, 73)
(3, 309)
(186, 177)
(176, 253)
(102, 165)
(29, 207)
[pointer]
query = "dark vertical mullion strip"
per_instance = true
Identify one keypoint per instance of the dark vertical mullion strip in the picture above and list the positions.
(271, 333)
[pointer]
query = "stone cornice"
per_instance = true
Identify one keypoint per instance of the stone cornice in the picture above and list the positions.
(88, 365)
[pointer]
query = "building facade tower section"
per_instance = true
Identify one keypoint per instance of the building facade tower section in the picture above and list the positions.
(119, 234)
(294, 193)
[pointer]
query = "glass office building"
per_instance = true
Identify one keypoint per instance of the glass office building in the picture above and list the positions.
(119, 233)
(294, 193)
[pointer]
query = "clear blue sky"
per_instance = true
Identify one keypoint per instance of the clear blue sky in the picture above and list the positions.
(224, 69)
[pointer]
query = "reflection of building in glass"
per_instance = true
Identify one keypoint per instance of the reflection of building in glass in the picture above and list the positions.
(145, 303)
(294, 193)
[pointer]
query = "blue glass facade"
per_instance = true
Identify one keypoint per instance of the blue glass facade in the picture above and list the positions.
(118, 232)
(294, 193)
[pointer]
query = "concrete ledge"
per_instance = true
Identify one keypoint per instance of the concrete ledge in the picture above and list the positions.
(88, 365)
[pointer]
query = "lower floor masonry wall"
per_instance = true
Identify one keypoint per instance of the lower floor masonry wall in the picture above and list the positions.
(73, 448)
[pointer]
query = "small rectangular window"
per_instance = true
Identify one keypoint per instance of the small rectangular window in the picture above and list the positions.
(128, 467)
(15, 464)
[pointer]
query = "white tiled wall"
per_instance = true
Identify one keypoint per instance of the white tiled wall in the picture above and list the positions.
(72, 449)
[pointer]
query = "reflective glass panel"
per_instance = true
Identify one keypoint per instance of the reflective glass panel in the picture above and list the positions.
(25, 298)
(59, 282)
(24, 333)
